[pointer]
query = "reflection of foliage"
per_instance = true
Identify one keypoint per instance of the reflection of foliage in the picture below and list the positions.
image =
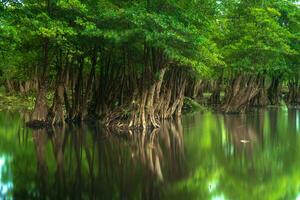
(225, 168)
(5, 176)
(21, 155)
(84, 162)
(210, 163)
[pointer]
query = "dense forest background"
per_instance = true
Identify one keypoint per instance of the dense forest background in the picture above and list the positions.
(131, 63)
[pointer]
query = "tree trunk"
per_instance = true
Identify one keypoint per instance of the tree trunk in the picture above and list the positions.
(41, 109)
(56, 112)
(293, 97)
(241, 91)
(274, 94)
(9, 87)
(75, 112)
(261, 99)
(89, 86)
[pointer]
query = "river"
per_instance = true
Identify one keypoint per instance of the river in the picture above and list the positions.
(203, 156)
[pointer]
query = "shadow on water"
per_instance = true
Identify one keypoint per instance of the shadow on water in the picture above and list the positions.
(202, 156)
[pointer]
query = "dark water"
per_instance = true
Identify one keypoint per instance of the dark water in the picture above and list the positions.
(206, 156)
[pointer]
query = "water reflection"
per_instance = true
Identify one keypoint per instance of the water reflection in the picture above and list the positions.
(253, 156)
(6, 184)
(242, 134)
(204, 156)
(82, 162)
(161, 147)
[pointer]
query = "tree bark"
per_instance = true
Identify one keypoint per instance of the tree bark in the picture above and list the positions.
(261, 99)
(274, 93)
(242, 90)
(293, 97)
(41, 108)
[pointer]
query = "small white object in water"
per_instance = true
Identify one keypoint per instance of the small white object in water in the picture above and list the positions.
(245, 141)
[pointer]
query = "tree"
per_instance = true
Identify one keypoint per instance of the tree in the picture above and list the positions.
(256, 47)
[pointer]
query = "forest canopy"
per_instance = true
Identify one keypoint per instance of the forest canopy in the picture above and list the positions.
(131, 63)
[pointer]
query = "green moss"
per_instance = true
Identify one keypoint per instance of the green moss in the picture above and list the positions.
(206, 94)
(16, 102)
(191, 106)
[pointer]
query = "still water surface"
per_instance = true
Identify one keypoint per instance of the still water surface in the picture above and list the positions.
(204, 156)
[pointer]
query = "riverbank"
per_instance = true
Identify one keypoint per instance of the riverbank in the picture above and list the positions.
(15, 102)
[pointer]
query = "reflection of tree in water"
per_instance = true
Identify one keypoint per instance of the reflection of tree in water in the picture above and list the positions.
(264, 167)
(242, 135)
(82, 162)
(161, 147)
(293, 121)
(40, 140)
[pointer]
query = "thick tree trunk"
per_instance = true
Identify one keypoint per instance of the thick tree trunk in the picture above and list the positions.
(41, 109)
(9, 86)
(21, 87)
(176, 86)
(151, 102)
(261, 99)
(56, 112)
(241, 91)
(75, 111)
(293, 97)
(274, 94)
(89, 85)
(122, 97)
(147, 104)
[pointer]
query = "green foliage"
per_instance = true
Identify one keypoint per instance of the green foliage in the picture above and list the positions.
(256, 41)
(210, 37)
(175, 27)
